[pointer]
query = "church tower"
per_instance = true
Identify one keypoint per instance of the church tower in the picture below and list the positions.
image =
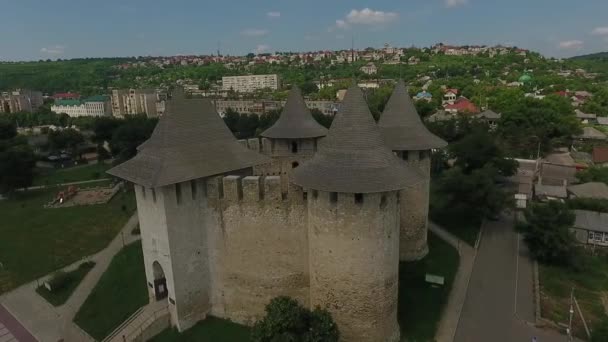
(352, 186)
(293, 139)
(407, 136)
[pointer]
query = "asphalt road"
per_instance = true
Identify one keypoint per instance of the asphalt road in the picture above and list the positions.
(500, 300)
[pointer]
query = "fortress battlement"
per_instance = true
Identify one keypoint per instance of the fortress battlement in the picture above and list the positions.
(252, 189)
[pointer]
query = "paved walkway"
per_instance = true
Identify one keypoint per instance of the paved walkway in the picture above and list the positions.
(451, 313)
(11, 330)
(49, 323)
(64, 184)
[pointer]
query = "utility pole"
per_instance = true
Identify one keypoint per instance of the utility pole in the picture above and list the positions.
(571, 314)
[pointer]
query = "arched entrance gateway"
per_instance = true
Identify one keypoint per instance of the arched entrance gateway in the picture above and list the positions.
(160, 282)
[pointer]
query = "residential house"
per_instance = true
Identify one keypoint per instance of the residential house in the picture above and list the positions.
(591, 134)
(490, 117)
(591, 228)
(450, 96)
(413, 60)
(521, 183)
(584, 117)
(602, 120)
(600, 155)
(594, 190)
(369, 69)
(441, 115)
(424, 95)
(462, 106)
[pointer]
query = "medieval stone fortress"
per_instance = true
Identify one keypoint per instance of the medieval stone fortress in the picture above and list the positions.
(323, 216)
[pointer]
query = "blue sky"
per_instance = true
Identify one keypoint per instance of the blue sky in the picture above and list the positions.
(35, 29)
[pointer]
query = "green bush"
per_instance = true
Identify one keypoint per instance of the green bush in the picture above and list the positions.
(600, 332)
(286, 320)
(59, 280)
(593, 204)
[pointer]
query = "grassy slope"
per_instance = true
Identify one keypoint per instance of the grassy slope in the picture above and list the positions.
(211, 329)
(74, 174)
(60, 296)
(420, 304)
(36, 241)
(120, 292)
(556, 284)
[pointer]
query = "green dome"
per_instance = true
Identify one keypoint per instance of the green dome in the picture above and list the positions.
(525, 78)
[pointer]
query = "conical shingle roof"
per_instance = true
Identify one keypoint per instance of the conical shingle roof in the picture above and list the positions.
(295, 121)
(190, 141)
(401, 125)
(353, 158)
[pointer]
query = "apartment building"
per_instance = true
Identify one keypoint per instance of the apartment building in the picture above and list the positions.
(91, 106)
(136, 101)
(250, 83)
(264, 106)
(20, 100)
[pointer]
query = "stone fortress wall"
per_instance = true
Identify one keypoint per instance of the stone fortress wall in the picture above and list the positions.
(229, 244)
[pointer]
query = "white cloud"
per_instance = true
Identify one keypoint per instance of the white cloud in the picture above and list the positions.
(273, 14)
(571, 44)
(261, 48)
(252, 32)
(455, 3)
(600, 31)
(53, 50)
(365, 16)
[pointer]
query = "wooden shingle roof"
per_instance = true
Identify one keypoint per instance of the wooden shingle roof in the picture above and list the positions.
(354, 158)
(402, 127)
(190, 141)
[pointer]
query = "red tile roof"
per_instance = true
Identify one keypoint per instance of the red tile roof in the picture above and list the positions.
(463, 105)
(600, 154)
(66, 96)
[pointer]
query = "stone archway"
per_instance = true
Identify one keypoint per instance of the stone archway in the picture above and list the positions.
(160, 282)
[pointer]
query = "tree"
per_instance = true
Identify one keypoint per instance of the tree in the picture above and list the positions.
(474, 194)
(286, 320)
(600, 332)
(547, 232)
(478, 149)
(593, 174)
(65, 139)
(17, 160)
(132, 133)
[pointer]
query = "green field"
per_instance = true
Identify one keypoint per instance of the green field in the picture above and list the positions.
(589, 283)
(35, 241)
(420, 303)
(211, 329)
(72, 174)
(59, 296)
(120, 292)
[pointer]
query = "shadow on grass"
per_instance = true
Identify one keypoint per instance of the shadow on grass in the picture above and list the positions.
(211, 329)
(420, 303)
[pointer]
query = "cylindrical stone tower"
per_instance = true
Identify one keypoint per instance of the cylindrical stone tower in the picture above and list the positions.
(293, 139)
(352, 186)
(407, 136)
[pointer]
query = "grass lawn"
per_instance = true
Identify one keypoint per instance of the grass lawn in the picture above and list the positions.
(72, 174)
(421, 304)
(35, 241)
(211, 329)
(60, 295)
(120, 292)
(556, 284)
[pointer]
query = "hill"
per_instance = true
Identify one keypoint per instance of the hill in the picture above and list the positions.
(598, 55)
